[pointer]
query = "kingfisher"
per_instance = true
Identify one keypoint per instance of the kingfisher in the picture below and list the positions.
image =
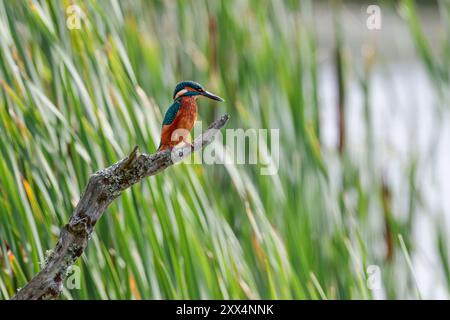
(181, 115)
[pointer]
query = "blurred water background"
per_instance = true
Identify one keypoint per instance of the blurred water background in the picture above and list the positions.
(407, 114)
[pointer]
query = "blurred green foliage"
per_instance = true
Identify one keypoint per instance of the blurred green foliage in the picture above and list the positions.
(75, 101)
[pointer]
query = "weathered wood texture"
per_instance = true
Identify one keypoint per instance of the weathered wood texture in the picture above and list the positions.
(103, 187)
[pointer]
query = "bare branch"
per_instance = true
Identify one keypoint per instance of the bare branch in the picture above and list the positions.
(103, 187)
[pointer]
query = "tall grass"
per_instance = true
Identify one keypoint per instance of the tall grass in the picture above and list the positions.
(75, 101)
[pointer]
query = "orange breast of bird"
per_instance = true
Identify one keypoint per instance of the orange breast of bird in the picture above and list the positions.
(182, 124)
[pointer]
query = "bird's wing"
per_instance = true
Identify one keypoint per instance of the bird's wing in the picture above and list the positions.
(171, 113)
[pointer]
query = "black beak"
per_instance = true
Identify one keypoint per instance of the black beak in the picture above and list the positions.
(211, 96)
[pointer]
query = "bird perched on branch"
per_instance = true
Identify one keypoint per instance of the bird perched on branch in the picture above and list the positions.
(181, 115)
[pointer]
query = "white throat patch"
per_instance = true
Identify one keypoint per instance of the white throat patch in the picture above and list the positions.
(180, 93)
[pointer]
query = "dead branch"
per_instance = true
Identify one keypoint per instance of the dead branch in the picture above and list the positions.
(103, 187)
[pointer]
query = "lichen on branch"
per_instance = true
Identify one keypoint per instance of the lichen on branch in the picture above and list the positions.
(103, 187)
